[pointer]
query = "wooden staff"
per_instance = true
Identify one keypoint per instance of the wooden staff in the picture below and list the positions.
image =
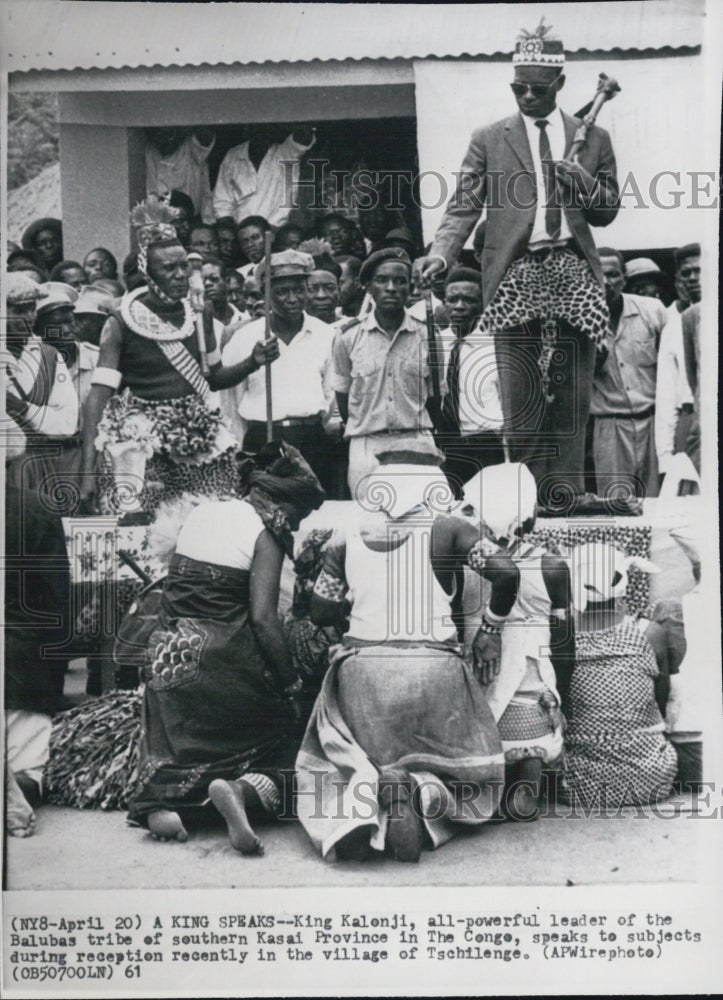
(125, 557)
(433, 356)
(607, 88)
(195, 283)
(267, 333)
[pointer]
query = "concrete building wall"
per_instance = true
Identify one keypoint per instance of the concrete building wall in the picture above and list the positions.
(102, 175)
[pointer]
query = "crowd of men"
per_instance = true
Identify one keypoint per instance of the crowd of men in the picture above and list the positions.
(350, 351)
(539, 346)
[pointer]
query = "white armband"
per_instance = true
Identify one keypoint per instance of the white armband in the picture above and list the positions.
(108, 377)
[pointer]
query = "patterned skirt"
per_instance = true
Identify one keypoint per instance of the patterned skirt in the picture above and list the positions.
(209, 710)
(612, 772)
(552, 286)
(531, 726)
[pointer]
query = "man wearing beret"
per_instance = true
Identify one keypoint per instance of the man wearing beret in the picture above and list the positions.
(301, 371)
(381, 371)
(542, 282)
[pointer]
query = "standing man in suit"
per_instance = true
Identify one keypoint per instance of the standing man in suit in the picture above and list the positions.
(541, 278)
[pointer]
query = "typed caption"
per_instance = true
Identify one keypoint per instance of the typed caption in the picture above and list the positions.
(250, 948)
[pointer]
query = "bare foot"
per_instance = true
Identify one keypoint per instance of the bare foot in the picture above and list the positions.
(164, 824)
(405, 833)
(230, 798)
(19, 816)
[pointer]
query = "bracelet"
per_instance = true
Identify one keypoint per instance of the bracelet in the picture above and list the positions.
(491, 623)
(488, 628)
(293, 689)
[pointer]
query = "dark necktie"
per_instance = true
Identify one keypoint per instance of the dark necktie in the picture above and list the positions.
(450, 407)
(553, 213)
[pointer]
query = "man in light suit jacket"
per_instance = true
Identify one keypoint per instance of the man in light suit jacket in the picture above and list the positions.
(541, 277)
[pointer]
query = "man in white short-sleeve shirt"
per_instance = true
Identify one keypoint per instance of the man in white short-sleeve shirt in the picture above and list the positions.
(301, 391)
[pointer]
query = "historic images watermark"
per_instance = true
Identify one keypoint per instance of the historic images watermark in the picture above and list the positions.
(367, 190)
(359, 801)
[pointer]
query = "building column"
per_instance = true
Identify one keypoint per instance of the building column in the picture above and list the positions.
(102, 175)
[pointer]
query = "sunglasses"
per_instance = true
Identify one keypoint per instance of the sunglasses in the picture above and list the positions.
(536, 89)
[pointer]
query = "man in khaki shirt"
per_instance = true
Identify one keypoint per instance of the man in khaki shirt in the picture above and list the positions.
(623, 393)
(381, 371)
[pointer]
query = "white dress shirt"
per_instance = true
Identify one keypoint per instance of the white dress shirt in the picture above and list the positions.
(81, 373)
(672, 389)
(58, 417)
(556, 135)
(300, 376)
(480, 408)
(185, 170)
(242, 190)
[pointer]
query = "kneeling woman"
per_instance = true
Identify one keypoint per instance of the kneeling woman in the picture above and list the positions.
(218, 707)
(401, 745)
(616, 750)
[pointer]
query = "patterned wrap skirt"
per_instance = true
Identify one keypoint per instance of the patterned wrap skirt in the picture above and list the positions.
(209, 709)
(616, 750)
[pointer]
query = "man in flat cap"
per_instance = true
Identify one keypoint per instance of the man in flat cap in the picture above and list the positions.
(674, 402)
(301, 371)
(644, 277)
(542, 282)
(381, 372)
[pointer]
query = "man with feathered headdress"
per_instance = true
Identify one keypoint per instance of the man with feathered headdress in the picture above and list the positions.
(541, 278)
(149, 346)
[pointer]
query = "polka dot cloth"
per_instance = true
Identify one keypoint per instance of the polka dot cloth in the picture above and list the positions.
(614, 755)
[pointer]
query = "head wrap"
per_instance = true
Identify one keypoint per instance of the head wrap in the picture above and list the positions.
(279, 473)
(286, 264)
(20, 289)
(689, 250)
(599, 572)
(504, 496)
(397, 488)
(153, 219)
(537, 48)
(408, 475)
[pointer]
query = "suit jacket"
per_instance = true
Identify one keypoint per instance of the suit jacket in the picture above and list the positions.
(498, 172)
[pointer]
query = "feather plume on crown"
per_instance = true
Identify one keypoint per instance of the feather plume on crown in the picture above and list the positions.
(539, 48)
(541, 31)
(153, 219)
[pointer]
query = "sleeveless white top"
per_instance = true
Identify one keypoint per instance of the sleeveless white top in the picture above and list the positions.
(223, 532)
(395, 594)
